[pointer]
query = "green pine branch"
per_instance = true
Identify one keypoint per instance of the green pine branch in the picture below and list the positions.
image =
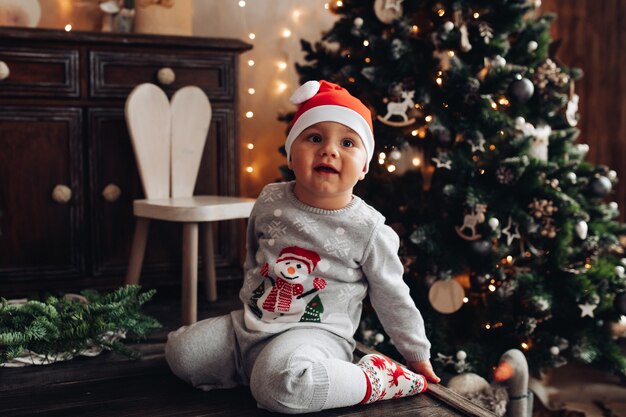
(66, 324)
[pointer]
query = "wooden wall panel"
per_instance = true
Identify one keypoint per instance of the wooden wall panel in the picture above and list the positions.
(593, 39)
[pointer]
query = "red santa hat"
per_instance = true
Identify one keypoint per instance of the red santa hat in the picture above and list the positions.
(321, 101)
(305, 256)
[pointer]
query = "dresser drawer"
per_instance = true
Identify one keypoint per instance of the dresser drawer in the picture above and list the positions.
(40, 73)
(115, 74)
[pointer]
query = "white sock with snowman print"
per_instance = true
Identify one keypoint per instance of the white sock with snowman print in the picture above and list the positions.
(387, 379)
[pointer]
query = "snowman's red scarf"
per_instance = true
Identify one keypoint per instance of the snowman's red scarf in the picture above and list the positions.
(283, 291)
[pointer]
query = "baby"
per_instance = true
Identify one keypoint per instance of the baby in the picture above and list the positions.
(314, 251)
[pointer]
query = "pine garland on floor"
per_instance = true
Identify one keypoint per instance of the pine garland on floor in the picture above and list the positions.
(68, 325)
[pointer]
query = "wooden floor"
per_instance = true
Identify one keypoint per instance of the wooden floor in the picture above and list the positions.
(111, 385)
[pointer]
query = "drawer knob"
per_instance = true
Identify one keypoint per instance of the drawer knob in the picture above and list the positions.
(166, 76)
(4, 71)
(111, 193)
(62, 194)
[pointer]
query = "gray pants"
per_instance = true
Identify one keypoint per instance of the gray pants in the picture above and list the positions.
(298, 371)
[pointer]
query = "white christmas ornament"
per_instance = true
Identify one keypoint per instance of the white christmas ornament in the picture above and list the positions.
(399, 109)
(587, 309)
(470, 221)
(540, 142)
(583, 148)
(494, 223)
(499, 62)
(395, 155)
(619, 271)
(612, 175)
(443, 162)
(532, 46)
(465, 44)
(581, 229)
(554, 351)
(511, 235)
(388, 10)
(572, 110)
(448, 26)
(526, 128)
(305, 92)
(358, 22)
(571, 177)
(479, 145)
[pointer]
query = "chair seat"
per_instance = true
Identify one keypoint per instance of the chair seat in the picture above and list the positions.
(203, 208)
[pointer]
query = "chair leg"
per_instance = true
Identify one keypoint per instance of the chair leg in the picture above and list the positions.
(210, 278)
(190, 273)
(137, 251)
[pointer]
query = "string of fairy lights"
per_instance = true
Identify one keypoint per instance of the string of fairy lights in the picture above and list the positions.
(257, 89)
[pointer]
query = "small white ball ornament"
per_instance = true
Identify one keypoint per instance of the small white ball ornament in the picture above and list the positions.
(612, 175)
(395, 155)
(358, 22)
(620, 271)
(448, 26)
(379, 338)
(532, 46)
(571, 177)
(583, 148)
(461, 355)
(494, 223)
(554, 351)
(581, 228)
(499, 62)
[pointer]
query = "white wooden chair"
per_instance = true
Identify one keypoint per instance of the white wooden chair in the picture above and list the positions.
(168, 141)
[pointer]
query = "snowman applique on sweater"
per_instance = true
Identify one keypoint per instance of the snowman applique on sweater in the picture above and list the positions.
(290, 284)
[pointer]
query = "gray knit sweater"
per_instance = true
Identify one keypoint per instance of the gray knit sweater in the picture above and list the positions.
(307, 266)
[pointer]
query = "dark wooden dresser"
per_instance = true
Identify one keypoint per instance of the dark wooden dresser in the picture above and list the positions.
(67, 172)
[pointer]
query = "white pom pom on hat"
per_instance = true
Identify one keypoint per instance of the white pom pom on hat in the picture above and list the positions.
(305, 92)
(322, 101)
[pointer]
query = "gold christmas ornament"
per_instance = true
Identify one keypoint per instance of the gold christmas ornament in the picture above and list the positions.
(446, 296)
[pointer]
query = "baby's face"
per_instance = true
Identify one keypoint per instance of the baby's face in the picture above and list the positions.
(328, 159)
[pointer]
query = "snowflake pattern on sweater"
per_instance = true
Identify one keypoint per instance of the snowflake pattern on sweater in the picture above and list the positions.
(307, 266)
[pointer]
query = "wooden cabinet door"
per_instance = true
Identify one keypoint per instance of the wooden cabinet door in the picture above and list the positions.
(40, 237)
(113, 168)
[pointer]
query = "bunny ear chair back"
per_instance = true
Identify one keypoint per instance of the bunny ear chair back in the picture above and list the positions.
(168, 140)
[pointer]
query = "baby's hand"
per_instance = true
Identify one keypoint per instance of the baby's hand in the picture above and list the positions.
(425, 368)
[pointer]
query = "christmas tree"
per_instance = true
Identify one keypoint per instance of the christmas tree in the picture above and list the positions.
(506, 235)
(313, 311)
